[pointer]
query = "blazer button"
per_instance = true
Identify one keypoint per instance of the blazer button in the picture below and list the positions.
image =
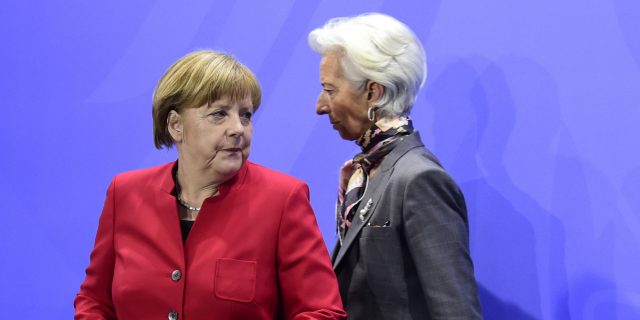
(173, 315)
(176, 275)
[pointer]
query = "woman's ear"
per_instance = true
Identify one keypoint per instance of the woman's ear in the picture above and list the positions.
(376, 91)
(174, 125)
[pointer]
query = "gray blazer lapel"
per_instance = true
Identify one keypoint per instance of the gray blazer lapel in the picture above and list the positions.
(374, 192)
(334, 252)
(363, 212)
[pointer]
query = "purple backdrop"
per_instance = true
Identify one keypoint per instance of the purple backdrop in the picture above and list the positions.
(532, 106)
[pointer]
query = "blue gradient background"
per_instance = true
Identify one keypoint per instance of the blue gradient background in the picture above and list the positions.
(532, 106)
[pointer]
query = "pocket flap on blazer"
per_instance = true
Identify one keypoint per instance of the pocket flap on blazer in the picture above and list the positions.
(235, 280)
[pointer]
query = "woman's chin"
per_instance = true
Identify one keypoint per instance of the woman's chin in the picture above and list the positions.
(229, 167)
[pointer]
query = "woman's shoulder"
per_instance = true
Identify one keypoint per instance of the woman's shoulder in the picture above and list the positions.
(420, 164)
(261, 174)
(419, 159)
(155, 174)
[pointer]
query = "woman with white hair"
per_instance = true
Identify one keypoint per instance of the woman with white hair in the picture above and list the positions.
(402, 221)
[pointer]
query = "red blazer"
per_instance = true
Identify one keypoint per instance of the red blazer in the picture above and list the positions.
(255, 252)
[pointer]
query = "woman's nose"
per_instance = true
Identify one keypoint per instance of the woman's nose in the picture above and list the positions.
(321, 105)
(236, 127)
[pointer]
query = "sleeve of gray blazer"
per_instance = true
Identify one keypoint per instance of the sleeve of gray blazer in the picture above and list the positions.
(437, 235)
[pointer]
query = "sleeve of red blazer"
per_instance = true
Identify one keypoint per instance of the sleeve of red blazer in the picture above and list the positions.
(94, 299)
(308, 283)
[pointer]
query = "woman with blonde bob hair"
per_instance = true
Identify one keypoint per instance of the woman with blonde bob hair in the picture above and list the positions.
(402, 221)
(210, 235)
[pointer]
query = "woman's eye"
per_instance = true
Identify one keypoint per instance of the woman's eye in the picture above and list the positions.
(245, 117)
(328, 91)
(218, 114)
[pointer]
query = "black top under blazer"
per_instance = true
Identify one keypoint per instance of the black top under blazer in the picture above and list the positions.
(406, 254)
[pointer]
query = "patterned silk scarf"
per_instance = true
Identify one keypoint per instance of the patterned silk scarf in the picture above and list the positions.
(376, 143)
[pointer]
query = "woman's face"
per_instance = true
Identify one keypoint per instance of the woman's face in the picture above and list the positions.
(345, 104)
(217, 136)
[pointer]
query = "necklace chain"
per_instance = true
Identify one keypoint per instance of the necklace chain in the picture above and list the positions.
(186, 205)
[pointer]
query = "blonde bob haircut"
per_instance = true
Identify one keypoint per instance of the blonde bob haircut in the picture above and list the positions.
(199, 78)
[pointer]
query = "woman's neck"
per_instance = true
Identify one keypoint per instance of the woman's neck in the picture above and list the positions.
(197, 183)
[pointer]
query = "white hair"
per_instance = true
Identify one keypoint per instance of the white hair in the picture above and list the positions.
(379, 48)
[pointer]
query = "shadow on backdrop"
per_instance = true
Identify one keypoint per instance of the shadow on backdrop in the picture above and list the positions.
(628, 17)
(518, 245)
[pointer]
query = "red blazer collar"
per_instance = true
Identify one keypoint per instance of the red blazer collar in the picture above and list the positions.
(236, 182)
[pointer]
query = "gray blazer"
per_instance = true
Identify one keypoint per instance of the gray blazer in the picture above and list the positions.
(406, 255)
